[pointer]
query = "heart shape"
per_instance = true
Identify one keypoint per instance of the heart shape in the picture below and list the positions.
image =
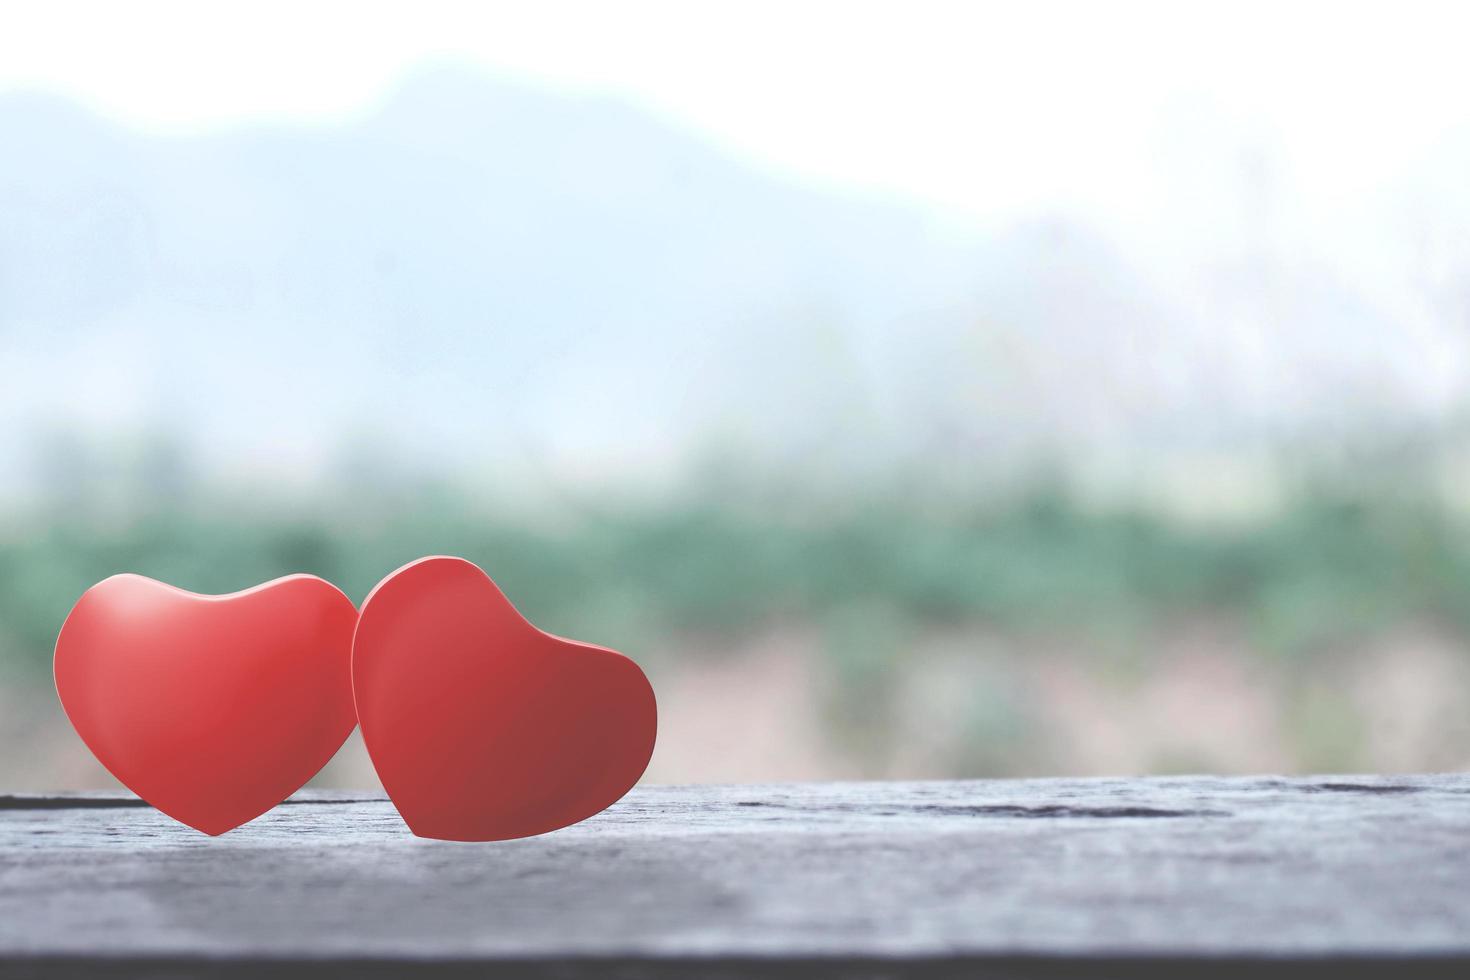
(481, 726)
(211, 708)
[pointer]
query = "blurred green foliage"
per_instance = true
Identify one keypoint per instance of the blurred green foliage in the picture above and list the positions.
(639, 575)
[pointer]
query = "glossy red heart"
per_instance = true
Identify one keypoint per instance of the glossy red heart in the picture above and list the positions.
(211, 708)
(481, 726)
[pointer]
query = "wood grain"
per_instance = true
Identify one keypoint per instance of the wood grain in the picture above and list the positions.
(1116, 877)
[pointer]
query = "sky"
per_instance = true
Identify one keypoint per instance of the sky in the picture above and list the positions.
(990, 109)
(1324, 143)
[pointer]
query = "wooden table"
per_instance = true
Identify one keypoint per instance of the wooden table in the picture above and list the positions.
(1176, 877)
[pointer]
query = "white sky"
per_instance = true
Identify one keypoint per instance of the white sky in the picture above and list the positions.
(994, 108)
(1129, 114)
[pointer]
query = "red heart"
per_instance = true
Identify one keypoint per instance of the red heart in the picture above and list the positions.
(481, 726)
(212, 708)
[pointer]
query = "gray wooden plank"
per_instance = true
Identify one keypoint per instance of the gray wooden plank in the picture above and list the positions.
(910, 877)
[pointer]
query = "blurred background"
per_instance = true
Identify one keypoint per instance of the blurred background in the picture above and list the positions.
(914, 390)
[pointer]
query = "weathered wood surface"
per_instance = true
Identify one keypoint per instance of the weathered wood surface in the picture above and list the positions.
(1002, 878)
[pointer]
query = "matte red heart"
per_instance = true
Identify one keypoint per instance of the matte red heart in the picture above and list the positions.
(211, 708)
(481, 726)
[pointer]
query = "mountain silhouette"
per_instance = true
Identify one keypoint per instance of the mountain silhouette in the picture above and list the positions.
(481, 275)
